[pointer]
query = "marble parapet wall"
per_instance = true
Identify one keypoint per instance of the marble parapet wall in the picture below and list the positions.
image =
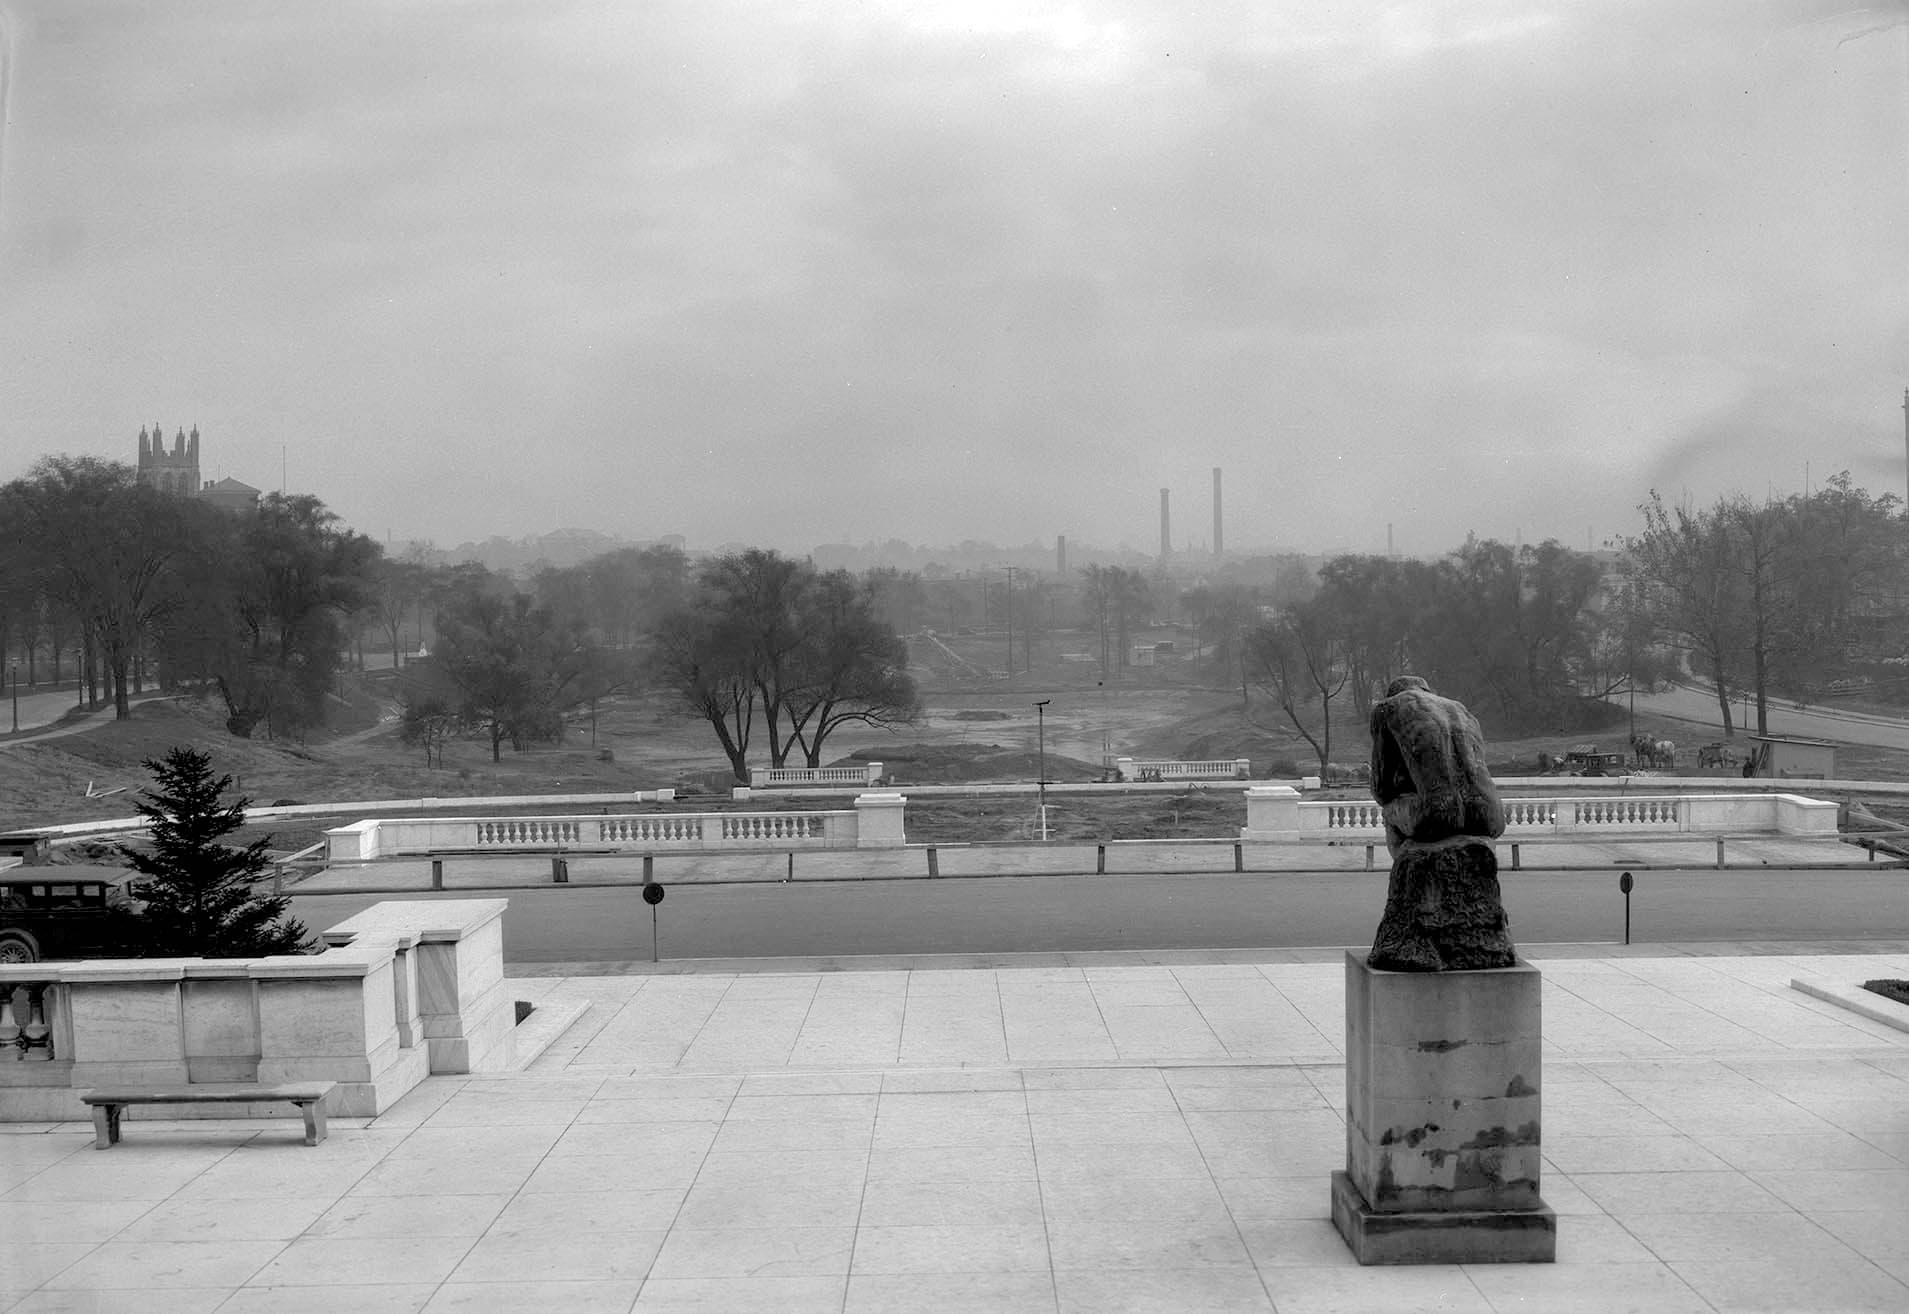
(403, 990)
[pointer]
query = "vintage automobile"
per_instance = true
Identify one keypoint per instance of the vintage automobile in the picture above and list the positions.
(67, 912)
(1586, 760)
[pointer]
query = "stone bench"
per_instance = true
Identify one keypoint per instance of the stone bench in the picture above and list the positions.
(107, 1101)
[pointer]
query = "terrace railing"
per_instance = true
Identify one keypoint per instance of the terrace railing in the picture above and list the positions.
(1277, 812)
(862, 774)
(1134, 768)
(874, 822)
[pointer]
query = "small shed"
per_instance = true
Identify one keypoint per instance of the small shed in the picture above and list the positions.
(1778, 757)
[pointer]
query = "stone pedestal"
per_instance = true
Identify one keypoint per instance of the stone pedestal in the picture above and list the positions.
(1442, 1118)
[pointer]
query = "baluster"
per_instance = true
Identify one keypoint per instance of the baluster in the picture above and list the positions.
(10, 1046)
(36, 1034)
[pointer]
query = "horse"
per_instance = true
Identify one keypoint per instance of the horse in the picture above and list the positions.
(1664, 754)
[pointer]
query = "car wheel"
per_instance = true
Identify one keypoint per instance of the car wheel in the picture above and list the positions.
(16, 949)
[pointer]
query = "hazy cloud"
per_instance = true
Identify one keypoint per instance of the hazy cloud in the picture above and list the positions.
(955, 270)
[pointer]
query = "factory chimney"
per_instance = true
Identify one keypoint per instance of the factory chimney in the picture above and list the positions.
(1219, 539)
(1060, 555)
(1166, 528)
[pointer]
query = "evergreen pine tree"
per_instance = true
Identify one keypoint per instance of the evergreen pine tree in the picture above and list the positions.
(200, 893)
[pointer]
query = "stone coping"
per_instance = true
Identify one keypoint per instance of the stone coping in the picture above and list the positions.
(1866, 1003)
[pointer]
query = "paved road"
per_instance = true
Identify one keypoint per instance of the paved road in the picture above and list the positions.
(1079, 913)
(40, 712)
(1700, 705)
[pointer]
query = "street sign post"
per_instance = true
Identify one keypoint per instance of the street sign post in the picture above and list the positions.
(1625, 883)
(652, 895)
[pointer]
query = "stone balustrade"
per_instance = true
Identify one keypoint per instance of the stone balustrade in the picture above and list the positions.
(1277, 813)
(406, 988)
(874, 822)
(862, 773)
(1232, 768)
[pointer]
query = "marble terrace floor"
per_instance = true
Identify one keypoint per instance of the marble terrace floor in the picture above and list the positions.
(1095, 1137)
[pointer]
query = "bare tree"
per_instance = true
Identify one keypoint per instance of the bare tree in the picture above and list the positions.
(1299, 660)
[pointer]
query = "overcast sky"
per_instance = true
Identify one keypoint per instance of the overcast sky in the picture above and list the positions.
(840, 271)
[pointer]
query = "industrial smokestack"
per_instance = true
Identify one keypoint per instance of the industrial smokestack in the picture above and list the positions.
(1166, 527)
(1219, 538)
(1060, 555)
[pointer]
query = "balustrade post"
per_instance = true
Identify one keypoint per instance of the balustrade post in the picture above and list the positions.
(879, 821)
(1272, 813)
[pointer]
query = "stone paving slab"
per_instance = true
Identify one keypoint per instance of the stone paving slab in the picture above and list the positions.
(1094, 1136)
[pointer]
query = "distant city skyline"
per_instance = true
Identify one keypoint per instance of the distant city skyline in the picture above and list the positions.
(840, 272)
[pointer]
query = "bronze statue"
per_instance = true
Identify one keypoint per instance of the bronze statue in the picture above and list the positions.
(1443, 911)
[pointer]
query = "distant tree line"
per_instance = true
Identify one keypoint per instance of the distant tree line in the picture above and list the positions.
(125, 587)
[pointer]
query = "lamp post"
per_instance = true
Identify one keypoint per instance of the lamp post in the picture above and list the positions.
(1040, 721)
(16, 695)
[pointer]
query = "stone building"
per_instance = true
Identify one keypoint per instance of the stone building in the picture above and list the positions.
(177, 471)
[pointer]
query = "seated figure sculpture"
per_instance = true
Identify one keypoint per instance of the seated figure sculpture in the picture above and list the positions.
(1443, 910)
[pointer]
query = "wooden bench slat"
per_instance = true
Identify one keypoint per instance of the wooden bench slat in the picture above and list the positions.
(209, 1092)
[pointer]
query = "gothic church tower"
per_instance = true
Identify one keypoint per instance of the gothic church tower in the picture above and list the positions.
(176, 471)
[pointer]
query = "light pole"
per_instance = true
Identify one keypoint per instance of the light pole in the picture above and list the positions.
(15, 665)
(1040, 723)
